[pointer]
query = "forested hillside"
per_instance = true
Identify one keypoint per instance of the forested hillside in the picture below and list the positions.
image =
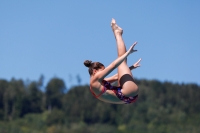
(162, 107)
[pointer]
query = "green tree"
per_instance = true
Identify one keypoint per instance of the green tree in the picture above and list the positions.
(33, 101)
(54, 92)
(3, 86)
(13, 97)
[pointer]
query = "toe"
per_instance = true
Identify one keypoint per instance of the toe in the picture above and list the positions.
(113, 21)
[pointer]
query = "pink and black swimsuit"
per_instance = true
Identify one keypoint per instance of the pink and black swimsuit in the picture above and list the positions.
(117, 91)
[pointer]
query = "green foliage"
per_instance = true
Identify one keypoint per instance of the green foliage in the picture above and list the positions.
(54, 92)
(161, 108)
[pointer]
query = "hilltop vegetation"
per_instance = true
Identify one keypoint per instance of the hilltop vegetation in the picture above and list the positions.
(162, 107)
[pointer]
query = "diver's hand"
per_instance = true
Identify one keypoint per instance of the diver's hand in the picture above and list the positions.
(137, 64)
(131, 49)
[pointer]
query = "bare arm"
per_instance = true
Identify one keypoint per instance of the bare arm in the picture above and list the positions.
(102, 74)
(115, 77)
(112, 78)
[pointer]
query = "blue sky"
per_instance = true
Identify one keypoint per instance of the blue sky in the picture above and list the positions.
(53, 38)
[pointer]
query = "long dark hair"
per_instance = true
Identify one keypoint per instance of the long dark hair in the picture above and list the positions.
(92, 65)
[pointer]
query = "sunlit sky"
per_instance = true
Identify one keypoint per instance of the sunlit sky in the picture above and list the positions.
(53, 38)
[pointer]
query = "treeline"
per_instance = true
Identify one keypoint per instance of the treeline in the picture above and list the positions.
(162, 107)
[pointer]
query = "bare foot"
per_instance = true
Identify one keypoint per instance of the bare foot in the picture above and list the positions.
(115, 27)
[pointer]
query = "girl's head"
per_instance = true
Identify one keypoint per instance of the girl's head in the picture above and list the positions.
(93, 66)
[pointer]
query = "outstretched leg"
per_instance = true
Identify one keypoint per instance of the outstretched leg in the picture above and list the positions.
(125, 77)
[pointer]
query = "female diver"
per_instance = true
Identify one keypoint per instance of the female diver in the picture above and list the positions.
(127, 91)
